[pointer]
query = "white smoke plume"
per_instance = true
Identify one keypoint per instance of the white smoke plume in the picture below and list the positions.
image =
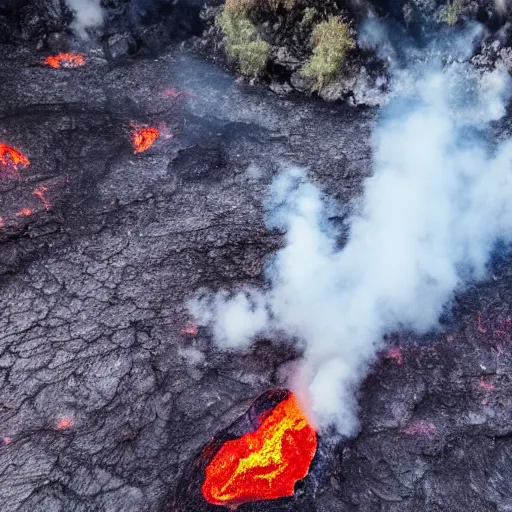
(88, 14)
(501, 6)
(437, 202)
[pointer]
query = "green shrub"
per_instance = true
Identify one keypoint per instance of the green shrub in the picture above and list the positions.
(242, 42)
(240, 6)
(331, 40)
(308, 16)
(253, 57)
(452, 12)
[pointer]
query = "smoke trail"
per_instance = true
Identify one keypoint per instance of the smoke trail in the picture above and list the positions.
(88, 14)
(438, 201)
(501, 6)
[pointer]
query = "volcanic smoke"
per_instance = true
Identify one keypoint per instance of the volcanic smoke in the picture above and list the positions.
(438, 201)
(88, 15)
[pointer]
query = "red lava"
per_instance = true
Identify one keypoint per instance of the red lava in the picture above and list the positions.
(11, 158)
(486, 385)
(64, 423)
(24, 212)
(40, 193)
(65, 60)
(264, 464)
(395, 354)
(143, 137)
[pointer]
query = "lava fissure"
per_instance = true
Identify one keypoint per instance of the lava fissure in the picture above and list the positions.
(66, 60)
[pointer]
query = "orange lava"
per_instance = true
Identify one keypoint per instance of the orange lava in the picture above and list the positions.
(5, 440)
(143, 137)
(64, 423)
(65, 60)
(264, 464)
(39, 192)
(12, 158)
(24, 212)
(2, 223)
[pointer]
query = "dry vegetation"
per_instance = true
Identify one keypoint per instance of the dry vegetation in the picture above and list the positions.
(331, 40)
(242, 42)
(452, 12)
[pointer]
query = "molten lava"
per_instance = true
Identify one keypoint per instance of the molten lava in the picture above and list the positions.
(12, 158)
(143, 137)
(264, 464)
(24, 212)
(64, 423)
(40, 192)
(65, 60)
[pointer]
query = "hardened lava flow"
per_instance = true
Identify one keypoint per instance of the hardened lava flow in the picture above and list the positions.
(112, 397)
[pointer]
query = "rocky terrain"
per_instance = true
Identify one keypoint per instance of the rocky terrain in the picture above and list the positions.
(109, 392)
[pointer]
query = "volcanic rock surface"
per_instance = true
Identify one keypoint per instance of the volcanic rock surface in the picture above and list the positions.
(107, 391)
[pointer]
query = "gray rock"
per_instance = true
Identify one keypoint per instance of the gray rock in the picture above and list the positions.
(120, 45)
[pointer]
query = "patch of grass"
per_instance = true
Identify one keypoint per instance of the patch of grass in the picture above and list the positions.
(331, 40)
(240, 6)
(274, 5)
(452, 12)
(308, 16)
(289, 4)
(242, 42)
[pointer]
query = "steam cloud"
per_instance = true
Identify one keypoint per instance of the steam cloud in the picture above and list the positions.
(438, 201)
(88, 14)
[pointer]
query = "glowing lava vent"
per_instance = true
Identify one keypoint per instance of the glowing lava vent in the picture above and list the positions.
(65, 60)
(143, 137)
(264, 464)
(11, 158)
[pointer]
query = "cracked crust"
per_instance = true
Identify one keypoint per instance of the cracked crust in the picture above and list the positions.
(104, 401)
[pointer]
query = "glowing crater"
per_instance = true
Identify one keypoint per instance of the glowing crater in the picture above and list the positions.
(264, 464)
(65, 60)
(143, 137)
(12, 159)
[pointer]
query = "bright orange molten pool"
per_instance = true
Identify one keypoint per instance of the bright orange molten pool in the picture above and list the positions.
(143, 137)
(264, 464)
(66, 60)
(10, 157)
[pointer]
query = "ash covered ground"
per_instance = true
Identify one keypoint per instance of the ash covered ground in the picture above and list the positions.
(108, 393)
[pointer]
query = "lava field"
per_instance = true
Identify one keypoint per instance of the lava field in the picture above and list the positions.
(134, 184)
